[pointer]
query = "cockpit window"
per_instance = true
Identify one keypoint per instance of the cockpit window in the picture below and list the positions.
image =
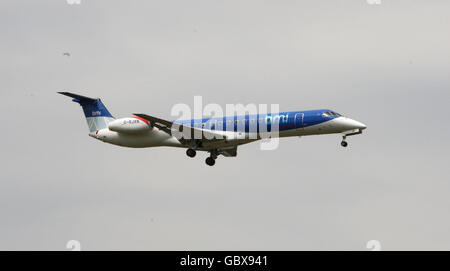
(330, 113)
(336, 114)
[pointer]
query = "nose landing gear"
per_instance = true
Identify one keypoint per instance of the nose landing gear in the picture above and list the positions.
(344, 143)
(351, 133)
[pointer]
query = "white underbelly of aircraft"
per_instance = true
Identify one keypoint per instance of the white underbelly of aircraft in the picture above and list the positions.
(155, 137)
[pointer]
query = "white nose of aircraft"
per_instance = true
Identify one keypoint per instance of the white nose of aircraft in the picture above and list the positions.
(357, 124)
(349, 124)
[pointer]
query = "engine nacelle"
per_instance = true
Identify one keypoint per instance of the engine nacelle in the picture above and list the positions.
(132, 125)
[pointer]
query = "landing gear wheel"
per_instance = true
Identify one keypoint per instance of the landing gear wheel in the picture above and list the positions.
(344, 144)
(210, 161)
(191, 153)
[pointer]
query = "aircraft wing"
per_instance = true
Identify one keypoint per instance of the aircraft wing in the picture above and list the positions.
(183, 133)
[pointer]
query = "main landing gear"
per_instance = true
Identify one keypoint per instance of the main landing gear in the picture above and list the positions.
(191, 153)
(211, 160)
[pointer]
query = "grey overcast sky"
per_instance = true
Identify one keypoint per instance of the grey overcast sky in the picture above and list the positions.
(386, 65)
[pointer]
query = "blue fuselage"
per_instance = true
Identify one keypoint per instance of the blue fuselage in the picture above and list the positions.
(262, 122)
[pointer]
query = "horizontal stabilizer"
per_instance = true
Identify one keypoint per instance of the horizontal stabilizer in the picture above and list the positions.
(79, 98)
(94, 110)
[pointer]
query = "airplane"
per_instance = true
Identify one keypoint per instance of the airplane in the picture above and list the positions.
(217, 136)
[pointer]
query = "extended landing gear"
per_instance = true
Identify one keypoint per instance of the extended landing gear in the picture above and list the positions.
(351, 133)
(344, 143)
(191, 153)
(210, 161)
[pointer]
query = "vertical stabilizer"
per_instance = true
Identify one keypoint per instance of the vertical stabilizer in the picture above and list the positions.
(97, 116)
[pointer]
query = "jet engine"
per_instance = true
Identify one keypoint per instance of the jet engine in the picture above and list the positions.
(130, 125)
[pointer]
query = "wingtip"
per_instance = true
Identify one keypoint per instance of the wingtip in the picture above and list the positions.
(63, 93)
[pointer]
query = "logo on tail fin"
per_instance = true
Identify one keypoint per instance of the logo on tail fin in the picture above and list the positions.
(96, 114)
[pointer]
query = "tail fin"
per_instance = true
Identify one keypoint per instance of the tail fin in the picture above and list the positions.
(96, 114)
